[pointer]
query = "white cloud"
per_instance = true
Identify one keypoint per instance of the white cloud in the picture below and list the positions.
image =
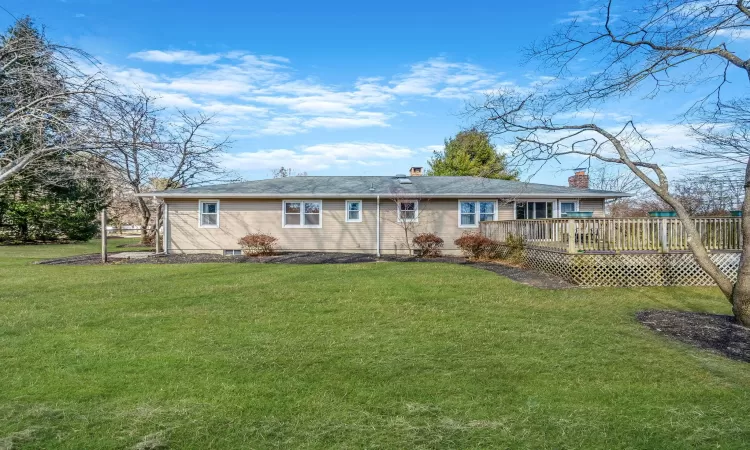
(318, 157)
(737, 34)
(175, 57)
(583, 16)
(433, 148)
(262, 95)
(360, 119)
(440, 78)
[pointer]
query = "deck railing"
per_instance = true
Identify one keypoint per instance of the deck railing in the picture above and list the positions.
(617, 235)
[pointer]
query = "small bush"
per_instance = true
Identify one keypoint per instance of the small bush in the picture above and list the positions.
(515, 245)
(476, 246)
(258, 244)
(429, 245)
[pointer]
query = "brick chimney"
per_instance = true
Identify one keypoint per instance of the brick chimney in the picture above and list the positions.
(579, 179)
(415, 172)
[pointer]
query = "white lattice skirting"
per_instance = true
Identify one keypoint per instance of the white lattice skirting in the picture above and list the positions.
(629, 269)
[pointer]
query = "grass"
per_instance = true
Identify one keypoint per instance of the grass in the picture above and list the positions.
(382, 355)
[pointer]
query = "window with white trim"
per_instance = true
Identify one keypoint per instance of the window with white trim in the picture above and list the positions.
(566, 207)
(408, 211)
(471, 212)
(208, 213)
(354, 210)
(302, 213)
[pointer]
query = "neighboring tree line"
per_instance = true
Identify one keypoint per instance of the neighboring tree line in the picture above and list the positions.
(72, 143)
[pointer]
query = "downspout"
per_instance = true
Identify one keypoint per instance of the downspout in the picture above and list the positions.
(377, 228)
(156, 232)
(166, 228)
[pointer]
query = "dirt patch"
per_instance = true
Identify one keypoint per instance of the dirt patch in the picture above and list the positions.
(522, 275)
(718, 333)
(526, 276)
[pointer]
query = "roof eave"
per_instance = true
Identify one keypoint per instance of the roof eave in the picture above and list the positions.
(385, 195)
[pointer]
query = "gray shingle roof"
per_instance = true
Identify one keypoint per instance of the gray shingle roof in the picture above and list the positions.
(385, 186)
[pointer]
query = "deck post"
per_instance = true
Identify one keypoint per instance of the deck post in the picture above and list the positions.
(571, 236)
(663, 236)
(104, 235)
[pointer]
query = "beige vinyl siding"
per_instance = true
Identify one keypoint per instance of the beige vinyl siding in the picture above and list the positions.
(595, 204)
(506, 210)
(238, 217)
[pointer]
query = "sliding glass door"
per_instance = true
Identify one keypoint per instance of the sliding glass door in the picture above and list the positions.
(535, 210)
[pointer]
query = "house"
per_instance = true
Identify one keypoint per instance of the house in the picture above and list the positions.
(372, 214)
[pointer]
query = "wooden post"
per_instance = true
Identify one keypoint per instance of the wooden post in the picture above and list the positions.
(104, 235)
(156, 235)
(571, 236)
(663, 236)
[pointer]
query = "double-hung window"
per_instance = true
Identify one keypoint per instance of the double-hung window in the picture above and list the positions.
(354, 210)
(408, 211)
(302, 213)
(208, 214)
(471, 212)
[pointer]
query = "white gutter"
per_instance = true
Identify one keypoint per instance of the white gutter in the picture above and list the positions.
(377, 228)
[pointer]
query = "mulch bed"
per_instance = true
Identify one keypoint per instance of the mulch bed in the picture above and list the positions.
(526, 276)
(718, 333)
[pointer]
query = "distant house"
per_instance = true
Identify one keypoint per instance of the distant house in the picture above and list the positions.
(371, 214)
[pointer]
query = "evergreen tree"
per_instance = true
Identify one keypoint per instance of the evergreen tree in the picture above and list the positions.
(62, 206)
(470, 153)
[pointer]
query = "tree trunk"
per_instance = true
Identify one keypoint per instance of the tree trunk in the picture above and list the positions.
(144, 230)
(741, 295)
(741, 292)
(145, 220)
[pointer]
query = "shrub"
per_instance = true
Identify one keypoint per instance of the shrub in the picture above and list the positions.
(428, 245)
(258, 244)
(476, 246)
(515, 245)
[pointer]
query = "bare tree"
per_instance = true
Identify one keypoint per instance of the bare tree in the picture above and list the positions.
(146, 155)
(657, 46)
(283, 172)
(607, 178)
(191, 157)
(410, 214)
(45, 100)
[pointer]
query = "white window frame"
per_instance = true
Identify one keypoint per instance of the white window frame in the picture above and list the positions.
(302, 213)
(561, 201)
(416, 211)
(200, 213)
(346, 207)
(476, 211)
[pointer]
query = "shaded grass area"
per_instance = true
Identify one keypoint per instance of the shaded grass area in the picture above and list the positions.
(392, 355)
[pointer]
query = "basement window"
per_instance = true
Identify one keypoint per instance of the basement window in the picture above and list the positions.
(232, 252)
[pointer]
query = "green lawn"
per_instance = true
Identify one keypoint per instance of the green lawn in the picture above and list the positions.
(383, 355)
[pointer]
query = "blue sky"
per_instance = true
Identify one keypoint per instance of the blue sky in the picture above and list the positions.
(330, 88)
